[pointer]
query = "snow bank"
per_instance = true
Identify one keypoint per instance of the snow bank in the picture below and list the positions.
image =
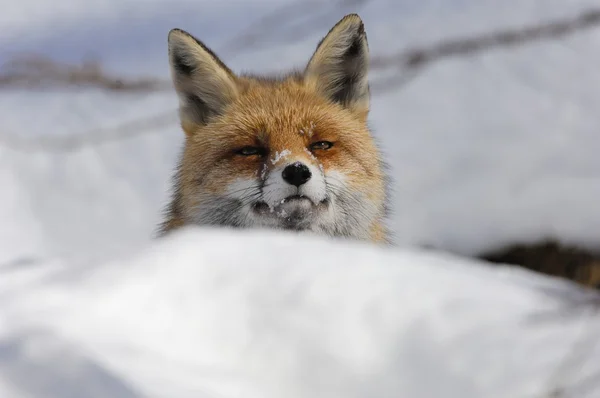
(216, 313)
(21, 236)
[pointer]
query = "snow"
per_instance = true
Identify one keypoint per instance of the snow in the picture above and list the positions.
(224, 319)
(485, 150)
(20, 233)
(280, 155)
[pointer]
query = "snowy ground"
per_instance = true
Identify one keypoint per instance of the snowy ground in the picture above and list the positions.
(190, 317)
(486, 150)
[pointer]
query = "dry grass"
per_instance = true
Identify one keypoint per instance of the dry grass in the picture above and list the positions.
(552, 258)
(35, 71)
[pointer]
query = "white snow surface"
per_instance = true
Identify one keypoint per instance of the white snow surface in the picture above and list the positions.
(485, 150)
(239, 314)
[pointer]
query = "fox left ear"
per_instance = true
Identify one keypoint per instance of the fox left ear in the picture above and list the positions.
(339, 67)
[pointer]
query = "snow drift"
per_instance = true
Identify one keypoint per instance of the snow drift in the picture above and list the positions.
(217, 313)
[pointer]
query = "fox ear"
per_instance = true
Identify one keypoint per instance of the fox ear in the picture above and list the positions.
(203, 83)
(339, 67)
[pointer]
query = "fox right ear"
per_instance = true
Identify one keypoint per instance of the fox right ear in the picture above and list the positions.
(339, 66)
(204, 84)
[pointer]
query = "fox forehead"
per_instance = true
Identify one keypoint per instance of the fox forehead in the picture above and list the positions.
(280, 114)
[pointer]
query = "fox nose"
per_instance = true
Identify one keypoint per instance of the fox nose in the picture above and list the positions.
(296, 174)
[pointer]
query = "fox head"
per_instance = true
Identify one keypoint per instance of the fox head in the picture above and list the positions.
(292, 152)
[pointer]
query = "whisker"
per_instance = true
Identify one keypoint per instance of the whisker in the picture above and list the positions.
(241, 190)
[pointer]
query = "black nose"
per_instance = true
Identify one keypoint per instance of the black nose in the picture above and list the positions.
(296, 174)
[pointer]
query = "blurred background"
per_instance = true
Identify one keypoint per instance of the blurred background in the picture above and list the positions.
(487, 112)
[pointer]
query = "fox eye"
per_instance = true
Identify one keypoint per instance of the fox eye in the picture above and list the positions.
(251, 151)
(323, 145)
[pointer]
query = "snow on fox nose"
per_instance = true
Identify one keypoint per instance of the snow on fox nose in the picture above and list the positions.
(296, 174)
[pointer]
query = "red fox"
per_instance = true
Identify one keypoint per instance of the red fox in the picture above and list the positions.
(291, 152)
